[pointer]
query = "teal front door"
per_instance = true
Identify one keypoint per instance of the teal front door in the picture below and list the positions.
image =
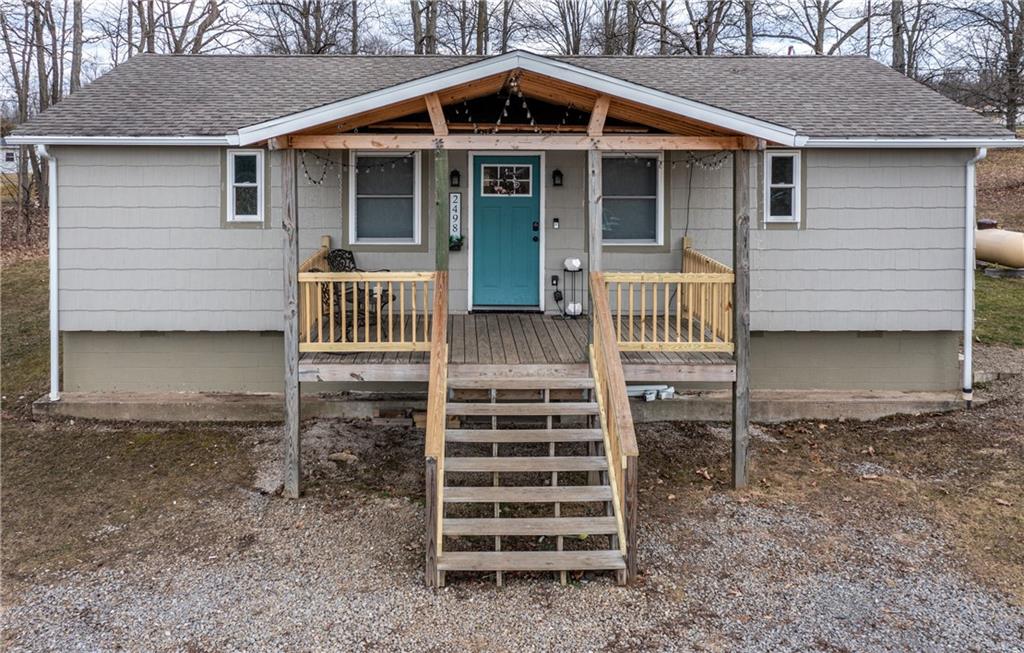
(506, 231)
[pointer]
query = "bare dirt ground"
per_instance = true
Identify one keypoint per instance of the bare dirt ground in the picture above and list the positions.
(902, 534)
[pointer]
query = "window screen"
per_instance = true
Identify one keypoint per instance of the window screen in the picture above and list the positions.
(385, 198)
(630, 199)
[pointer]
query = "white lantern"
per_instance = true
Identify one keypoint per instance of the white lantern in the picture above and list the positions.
(573, 264)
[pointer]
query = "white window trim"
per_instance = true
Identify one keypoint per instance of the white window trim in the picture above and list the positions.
(417, 198)
(506, 165)
(260, 186)
(659, 200)
(796, 186)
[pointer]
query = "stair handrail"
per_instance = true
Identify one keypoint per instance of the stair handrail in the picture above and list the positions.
(437, 399)
(616, 420)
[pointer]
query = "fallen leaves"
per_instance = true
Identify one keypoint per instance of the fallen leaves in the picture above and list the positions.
(703, 473)
(1003, 502)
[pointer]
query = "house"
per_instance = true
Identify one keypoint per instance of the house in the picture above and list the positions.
(795, 223)
(9, 160)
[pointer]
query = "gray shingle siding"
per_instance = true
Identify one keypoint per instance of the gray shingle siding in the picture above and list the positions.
(873, 256)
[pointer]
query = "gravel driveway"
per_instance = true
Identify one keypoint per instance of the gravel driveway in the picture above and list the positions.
(814, 557)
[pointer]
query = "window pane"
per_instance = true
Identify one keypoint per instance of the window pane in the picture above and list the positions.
(245, 200)
(781, 202)
(245, 168)
(506, 180)
(626, 176)
(634, 219)
(390, 218)
(388, 175)
(782, 169)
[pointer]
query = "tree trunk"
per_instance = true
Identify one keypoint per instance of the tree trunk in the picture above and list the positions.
(76, 49)
(481, 27)
(748, 27)
(416, 13)
(41, 74)
(663, 27)
(899, 50)
(355, 27)
(150, 28)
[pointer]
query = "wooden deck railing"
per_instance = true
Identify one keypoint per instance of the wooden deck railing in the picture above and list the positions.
(616, 423)
(365, 311)
(437, 398)
(674, 311)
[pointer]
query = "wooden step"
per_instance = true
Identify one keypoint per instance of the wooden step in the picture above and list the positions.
(499, 436)
(530, 526)
(524, 408)
(519, 383)
(528, 494)
(530, 561)
(526, 464)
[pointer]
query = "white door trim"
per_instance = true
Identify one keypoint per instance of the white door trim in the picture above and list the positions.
(541, 182)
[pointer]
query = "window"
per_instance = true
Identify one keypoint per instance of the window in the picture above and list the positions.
(245, 191)
(9, 157)
(506, 180)
(631, 208)
(782, 187)
(385, 204)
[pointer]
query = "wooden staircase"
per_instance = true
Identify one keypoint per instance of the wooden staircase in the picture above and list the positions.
(526, 479)
(527, 474)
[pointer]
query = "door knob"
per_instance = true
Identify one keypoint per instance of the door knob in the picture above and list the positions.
(536, 239)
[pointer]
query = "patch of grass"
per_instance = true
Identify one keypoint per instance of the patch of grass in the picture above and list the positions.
(24, 327)
(999, 317)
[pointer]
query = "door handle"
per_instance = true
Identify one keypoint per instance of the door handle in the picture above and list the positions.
(536, 226)
(536, 239)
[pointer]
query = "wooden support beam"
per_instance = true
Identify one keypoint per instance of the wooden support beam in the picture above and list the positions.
(741, 316)
(628, 142)
(436, 112)
(598, 116)
(441, 207)
(290, 222)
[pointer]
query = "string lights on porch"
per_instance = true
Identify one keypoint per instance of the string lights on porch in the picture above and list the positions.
(328, 163)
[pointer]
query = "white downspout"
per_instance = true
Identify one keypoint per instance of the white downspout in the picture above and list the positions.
(970, 224)
(54, 277)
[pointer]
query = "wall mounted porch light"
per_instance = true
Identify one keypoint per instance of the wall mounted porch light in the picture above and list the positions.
(557, 178)
(455, 179)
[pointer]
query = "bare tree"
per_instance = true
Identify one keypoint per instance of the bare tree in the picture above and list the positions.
(748, 26)
(510, 24)
(996, 55)
(697, 30)
(818, 24)
(562, 24)
(303, 26)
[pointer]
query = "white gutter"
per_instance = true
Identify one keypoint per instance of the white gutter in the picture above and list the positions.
(970, 224)
(54, 279)
(915, 143)
(227, 139)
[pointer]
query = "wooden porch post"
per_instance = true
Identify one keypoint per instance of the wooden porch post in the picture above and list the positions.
(290, 222)
(441, 204)
(741, 316)
(594, 208)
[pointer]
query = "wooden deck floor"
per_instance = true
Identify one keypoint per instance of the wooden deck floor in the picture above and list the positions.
(503, 339)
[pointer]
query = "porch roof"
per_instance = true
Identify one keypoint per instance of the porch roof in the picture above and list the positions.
(178, 98)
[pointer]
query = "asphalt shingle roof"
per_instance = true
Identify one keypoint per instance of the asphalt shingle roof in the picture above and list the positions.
(165, 95)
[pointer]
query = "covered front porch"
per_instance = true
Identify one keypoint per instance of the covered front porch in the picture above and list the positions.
(652, 306)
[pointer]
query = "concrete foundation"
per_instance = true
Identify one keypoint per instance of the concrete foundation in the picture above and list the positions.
(714, 406)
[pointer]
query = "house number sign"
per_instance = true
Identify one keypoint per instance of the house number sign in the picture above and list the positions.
(455, 214)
